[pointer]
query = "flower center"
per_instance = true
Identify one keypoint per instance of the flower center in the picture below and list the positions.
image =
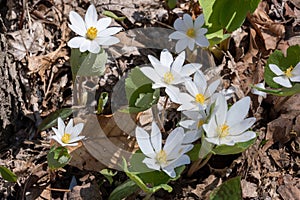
(200, 98)
(223, 130)
(200, 123)
(161, 157)
(191, 33)
(288, 72)
(168, 77)
(91, 33)
(66, 138)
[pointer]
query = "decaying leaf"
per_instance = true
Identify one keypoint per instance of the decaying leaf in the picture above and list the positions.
(108, 139)
(27, 41)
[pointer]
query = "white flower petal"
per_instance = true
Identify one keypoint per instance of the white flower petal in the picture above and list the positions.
(182, 160)
(242, 126)
(76, 42)
(85, 45)
(178, 62)
(151, 163)
(188, 21)
(91, 16)
(61, 126)
(77, 24)
(211, 128)
(56, 138)
(296, 70)
(174, 139)
(76, 130)
(200, 81)
(276, 70)
(189, 124)
(191, 44)
(103, 23)
(238, 111)
(221, 113)
(283, 81)
(213, 140)
(173, 94)
(151, 74)
(244, 137)
(76, 139)
(156, 138)
(179, 25)
(190, 68)
(202, 41)
(69, 127)
(212, 88)
(57, 132)
(177, 35)
(191, 88)
(191, 136)
(94, 47)
(170, 171)
(166, 58)
(181, 45)
(295, 79)
(199, 22)
(109, 31)
(144, 142)
(107, 41)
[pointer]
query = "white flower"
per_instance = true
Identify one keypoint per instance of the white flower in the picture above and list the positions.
(168, 157)
(67, 135)
(284, 78)
(189, 32)
(195, 120)
(93, 32)
(258, 92)
(168, 72)
(199, 93)
(229, 126)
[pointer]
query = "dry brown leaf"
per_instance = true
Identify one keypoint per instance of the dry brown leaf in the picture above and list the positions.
(108, 140)
(290, 189)
(249, 189)
(27, 41)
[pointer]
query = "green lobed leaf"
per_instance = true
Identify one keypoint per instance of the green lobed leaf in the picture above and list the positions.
(235, 149)
(124, 190)
(51, 119)
(139, 91)
(226, 14)
(87, 64)
(58, 157)
(277, 58)
(7, 175)
(194, 153)
(229, 190)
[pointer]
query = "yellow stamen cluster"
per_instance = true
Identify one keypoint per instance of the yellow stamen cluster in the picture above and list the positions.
(191, 33)
(161, 157)
(91, 33)
(223, 130)
(288, 72)
(200, 123)
(168, 77)
(66, 138)
(200, 98)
